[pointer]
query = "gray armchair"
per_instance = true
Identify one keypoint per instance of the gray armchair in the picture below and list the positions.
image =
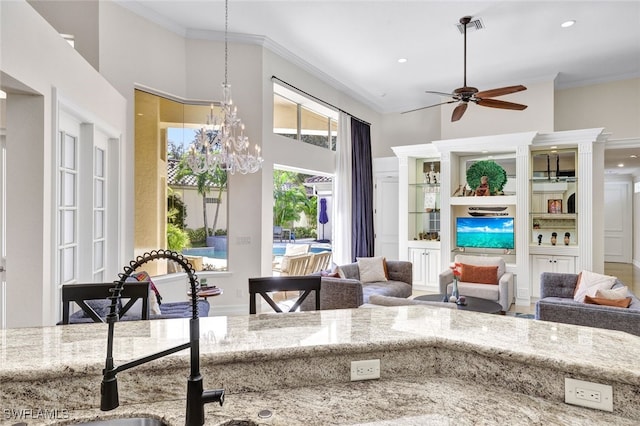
(502, 293)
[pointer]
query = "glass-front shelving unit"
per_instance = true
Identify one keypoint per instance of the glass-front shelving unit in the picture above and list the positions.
(424, 201)
(553, 214)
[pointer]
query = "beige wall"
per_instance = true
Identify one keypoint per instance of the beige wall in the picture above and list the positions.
(482, 121)
(614, 106)
(407, 129)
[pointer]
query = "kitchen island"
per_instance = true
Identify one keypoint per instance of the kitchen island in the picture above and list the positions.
(438, 366)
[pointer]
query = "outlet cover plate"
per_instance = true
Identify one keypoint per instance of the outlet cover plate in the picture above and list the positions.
(365, 370)
(588, 394)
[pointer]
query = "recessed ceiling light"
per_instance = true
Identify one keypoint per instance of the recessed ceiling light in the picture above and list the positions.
(553, 151)
(621, 165)
(633, 156)
(402, 60)
(567, 24)
(554, 147)
(485, 152)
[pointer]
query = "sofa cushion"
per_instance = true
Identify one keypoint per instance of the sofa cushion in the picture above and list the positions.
(619, 303)
(371, 269)
(385, 288)
(590, 282)
(100, 306)
(483, 291)
(154, 295)
(614, 293)
(479, 274)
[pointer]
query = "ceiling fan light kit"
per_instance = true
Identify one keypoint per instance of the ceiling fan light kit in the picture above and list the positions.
(466, 94)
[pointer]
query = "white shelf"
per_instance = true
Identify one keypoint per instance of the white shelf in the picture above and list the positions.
(557, 250)
(495, 200)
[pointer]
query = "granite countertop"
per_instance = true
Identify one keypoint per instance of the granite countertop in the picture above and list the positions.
(452, 339)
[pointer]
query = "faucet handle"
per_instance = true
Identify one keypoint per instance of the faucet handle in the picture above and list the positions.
(213, 396)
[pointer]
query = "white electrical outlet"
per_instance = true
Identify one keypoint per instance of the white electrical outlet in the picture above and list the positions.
(588, 394)
(365, 370)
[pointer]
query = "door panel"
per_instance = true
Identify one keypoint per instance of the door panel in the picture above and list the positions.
(386, 217)
(617, 223)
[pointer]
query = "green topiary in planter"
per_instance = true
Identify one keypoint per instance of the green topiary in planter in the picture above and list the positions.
(496, 174)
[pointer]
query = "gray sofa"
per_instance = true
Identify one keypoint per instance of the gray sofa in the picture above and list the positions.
(350, 292)
(556, 304)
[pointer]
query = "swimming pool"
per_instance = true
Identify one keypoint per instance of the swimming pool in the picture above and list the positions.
(222, 254)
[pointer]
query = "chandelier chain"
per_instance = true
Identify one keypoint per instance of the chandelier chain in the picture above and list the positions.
(222, 145)
(226, 41)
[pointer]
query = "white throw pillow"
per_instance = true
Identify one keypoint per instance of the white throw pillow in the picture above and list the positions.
(371, 269)
(614, 293)
(589, 284)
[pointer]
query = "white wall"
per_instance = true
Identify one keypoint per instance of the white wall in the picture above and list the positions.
(636, 223)
(134, 51)
(41, 72)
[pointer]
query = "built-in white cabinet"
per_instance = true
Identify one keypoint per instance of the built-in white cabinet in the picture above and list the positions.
(547, 216)
(426, 267)
(419, 207)
(549, 263)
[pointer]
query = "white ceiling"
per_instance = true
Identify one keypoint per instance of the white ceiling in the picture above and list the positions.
(355, 45)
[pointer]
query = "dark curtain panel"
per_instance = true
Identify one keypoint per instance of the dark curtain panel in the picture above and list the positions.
(362, 242)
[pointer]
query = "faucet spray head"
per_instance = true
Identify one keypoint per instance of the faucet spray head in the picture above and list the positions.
(109, 394)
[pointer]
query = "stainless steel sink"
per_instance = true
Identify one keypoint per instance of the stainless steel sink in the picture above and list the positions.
(132, 421)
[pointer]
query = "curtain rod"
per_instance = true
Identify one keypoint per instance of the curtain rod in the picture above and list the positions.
(273, 77)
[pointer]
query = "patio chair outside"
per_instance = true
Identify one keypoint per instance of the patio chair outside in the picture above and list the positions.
(319, 262)
(278, 233)
(297, 265)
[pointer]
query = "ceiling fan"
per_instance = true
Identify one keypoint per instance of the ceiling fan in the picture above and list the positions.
(466, 94)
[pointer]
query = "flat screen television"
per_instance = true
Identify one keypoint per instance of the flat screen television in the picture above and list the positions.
(485, 232)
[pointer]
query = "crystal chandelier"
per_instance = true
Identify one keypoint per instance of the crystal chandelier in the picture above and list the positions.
(223, 144)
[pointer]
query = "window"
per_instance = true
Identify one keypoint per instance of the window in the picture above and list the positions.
(298, 117)
(68, 208)
(193, 207)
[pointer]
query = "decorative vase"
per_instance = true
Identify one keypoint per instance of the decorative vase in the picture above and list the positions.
(454, 292)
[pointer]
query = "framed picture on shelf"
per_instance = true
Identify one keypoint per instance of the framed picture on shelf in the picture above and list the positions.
(554, 206)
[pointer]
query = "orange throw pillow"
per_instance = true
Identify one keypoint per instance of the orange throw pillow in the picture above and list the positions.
(386, 270)
(479, 274)
(620, 303)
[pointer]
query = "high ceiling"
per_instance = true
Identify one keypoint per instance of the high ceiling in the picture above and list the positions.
(355, 45)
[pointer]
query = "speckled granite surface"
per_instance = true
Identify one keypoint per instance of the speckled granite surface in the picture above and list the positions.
(298, 365)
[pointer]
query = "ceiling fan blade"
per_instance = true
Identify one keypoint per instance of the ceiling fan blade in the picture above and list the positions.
(500, 92)
(418, 109)
(495, 103)
(458, 111)
(438, 93)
